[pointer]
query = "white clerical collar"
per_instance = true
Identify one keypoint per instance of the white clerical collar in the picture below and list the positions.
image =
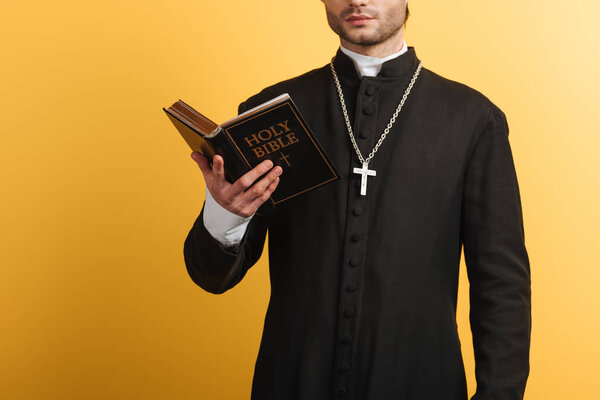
(370, 66)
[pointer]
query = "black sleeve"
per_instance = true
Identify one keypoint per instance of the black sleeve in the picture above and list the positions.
(217, 268)
(497, 266)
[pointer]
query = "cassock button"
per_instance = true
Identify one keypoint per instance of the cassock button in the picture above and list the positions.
(370, 91)
(354, 261)
(355, 237)
(357, 211)
(349, 312)
(345, 367)
(346, 339)
(351, 287)
(341, 392)
(364, 134)
(368, 110)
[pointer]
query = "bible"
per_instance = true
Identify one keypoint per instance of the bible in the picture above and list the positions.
(274, 130)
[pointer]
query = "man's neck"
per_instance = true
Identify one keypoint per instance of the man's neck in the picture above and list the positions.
(370, 66)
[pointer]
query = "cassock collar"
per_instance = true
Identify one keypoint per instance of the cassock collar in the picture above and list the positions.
(396, 67)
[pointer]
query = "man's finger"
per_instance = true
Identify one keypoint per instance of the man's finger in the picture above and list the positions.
(259, 187)
(202, 163)
(256, 203)
(218, 167)
(249, 177)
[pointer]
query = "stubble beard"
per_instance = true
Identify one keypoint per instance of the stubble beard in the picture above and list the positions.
(386, 28)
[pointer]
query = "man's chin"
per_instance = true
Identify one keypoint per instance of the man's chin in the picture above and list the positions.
(362, 40)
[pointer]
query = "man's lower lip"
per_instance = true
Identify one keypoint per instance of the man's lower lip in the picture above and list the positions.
(361, 21)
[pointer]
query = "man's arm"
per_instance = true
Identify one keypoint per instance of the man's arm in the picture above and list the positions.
(215, 267)
(497, 266)
(217, 260)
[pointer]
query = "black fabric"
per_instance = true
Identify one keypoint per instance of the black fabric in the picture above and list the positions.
(364, 289)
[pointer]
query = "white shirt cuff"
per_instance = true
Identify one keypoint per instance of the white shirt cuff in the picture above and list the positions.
(226, 227)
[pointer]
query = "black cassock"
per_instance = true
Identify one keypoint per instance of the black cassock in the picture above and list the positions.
(364, 288)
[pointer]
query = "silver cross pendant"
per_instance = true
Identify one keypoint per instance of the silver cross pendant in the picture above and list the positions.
(364, 172)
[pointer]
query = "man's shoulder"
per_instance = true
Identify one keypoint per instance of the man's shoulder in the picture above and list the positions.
(297, 87)
(458, 95)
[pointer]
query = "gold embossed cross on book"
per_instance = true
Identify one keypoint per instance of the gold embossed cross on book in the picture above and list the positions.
(274, 130)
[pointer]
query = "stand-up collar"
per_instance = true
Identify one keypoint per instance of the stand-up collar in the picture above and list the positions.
(396, 67)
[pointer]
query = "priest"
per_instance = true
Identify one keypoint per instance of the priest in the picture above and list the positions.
(364, 270)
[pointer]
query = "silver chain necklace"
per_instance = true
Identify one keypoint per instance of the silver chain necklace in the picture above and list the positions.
(365, 171)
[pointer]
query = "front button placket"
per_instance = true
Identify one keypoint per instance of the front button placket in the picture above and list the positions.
(355, 249)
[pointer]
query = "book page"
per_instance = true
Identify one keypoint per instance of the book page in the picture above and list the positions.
(259, 107)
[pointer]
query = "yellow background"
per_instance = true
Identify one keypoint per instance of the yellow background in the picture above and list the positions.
(98, 190)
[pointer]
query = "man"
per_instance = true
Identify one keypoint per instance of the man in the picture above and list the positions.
(364, 271)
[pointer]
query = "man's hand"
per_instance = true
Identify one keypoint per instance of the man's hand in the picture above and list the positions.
(234, 197)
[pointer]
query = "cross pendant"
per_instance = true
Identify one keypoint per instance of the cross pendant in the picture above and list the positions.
(364, 172)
